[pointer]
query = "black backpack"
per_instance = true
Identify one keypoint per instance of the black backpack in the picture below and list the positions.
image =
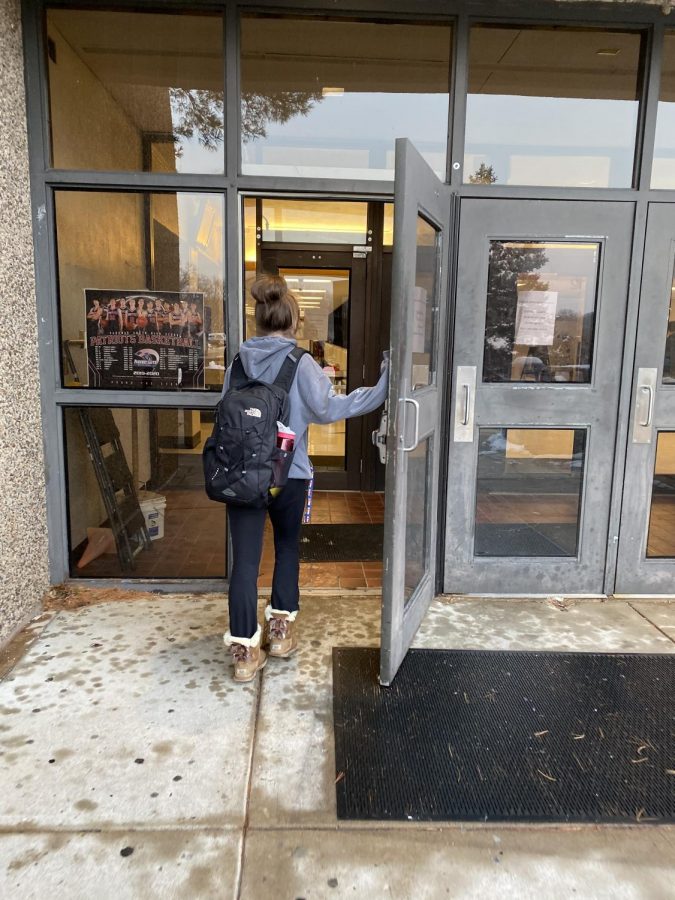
(242, 462)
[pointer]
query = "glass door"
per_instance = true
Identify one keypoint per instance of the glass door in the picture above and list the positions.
(646, 560)
(418, 310)
(330, 287)
(539, 324)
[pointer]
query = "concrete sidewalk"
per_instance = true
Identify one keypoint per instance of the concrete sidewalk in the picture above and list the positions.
(132, 766)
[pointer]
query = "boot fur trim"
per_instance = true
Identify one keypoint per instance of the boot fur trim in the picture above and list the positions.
(246, 642)
(280, 613)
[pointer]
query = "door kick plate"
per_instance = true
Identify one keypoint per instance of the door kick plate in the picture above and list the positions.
(465, 400)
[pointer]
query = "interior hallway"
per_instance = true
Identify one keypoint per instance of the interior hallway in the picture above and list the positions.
(134, 767)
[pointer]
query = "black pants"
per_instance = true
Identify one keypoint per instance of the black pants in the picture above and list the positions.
(246, 531)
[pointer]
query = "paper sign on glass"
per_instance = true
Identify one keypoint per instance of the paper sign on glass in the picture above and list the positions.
(535, 318)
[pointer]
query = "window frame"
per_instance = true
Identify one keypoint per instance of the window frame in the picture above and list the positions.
(45, 180)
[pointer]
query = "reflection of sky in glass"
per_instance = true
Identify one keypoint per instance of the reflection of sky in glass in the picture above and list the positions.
(192, 155)
(552, 139)
(358, 131)
(663, 169)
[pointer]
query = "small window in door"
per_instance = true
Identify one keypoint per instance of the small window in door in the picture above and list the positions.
(540, 311)
(425, 300)
(528, 491)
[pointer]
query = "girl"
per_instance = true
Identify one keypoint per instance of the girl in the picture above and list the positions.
(312, 399)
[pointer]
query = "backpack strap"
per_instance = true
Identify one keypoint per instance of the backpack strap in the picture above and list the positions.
(238, 376)
(288, 369)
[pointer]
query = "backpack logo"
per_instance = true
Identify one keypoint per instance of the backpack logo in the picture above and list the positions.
(252, 411)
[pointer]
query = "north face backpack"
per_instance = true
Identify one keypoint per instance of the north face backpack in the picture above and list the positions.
(242, 462)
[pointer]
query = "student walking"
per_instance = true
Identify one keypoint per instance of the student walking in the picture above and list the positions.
(312, 400)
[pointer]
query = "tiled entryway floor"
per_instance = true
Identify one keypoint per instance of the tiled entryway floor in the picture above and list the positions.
(334, 508)
(193, 545)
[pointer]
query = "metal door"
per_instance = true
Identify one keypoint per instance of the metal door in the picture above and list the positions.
(421, 258)
(538, 342)
(646, 558)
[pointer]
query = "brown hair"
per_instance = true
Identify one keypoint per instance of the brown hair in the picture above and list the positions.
(276, 309)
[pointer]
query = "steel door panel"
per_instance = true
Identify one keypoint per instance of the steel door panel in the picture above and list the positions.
(591, 407)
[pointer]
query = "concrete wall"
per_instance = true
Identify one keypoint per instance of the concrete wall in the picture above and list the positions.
(23, 525)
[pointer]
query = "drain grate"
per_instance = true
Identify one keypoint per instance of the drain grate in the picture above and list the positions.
(506, 736)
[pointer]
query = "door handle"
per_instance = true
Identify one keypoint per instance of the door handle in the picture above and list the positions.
(645, 399)
(416, 440)
(465, 399)
(467, 404)
(648, 390)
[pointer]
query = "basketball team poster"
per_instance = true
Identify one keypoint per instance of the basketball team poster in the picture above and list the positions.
(145, 339)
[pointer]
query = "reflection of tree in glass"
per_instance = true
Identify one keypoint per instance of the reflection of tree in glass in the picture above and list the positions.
(197, 113)
(258, 110)
(512, 266)
(483, 175)
(190, 279)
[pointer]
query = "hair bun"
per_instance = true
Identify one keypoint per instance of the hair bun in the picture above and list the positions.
(269, 289)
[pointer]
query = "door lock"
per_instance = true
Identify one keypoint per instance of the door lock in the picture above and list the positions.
(379, 437)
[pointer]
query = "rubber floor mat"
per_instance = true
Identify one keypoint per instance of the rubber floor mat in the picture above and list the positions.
(341, 543)
(506, 736)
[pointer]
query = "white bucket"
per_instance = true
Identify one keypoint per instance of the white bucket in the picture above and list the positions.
(152, 507)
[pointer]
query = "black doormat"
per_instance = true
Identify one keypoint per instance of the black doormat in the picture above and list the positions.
(506, 736)
(341, 543)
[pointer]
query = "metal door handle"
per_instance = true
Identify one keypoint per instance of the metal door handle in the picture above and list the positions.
(417, 424)
(649, 390)
(467, 404)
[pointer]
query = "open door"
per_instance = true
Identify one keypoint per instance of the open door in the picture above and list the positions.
(421, 257)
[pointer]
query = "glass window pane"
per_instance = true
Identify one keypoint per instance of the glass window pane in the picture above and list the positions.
(552, 106)
(136, 501)
(540, 312)
(663, 165)
(425, 304)
(417, 508)
(314, 221)
(528, 491)
(141, 289)
(323, 298)
(669, 356)
(328, 97)
(136, 91)
(661, 535)
(388, 226)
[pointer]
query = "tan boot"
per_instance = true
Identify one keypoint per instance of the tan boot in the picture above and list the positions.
(280, 637)
(247, 655)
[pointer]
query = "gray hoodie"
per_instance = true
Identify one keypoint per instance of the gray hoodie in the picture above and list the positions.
(312, 397)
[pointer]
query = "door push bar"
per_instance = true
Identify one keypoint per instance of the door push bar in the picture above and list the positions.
(645, 395)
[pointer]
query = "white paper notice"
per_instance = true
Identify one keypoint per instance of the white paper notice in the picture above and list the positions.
(535, 318)
(419, 318)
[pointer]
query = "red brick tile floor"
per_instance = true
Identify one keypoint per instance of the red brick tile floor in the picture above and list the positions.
(334, 508)
(194, 541)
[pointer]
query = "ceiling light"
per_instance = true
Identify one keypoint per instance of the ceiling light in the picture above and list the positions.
(608, 51)
(332, 91)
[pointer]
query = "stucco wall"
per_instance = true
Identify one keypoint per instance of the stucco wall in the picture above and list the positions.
(23, 525)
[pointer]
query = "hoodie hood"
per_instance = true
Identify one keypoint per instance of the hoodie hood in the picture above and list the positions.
(262, 357)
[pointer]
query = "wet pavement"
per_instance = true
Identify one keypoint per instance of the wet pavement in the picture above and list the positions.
(133, 767)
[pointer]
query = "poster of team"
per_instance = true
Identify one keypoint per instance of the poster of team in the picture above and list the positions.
(145, 339)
